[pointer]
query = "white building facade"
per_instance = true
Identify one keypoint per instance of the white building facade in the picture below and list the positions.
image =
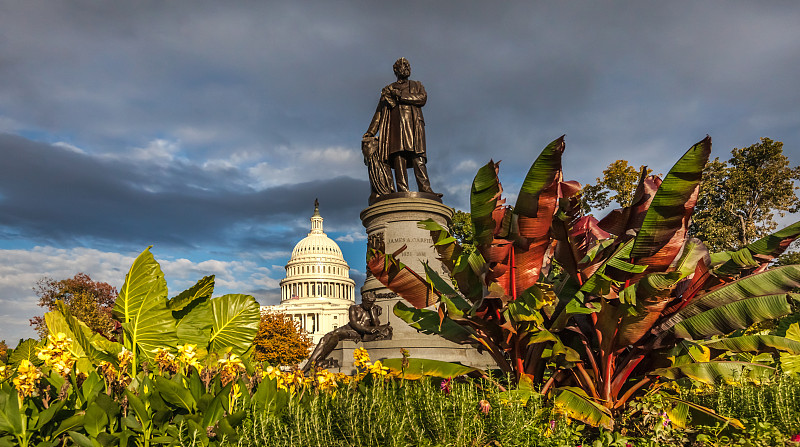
(317, 291)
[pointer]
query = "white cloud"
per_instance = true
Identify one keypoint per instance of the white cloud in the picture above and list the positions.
(21, 269)
(307, 164)
(352, 237)
(69, 147)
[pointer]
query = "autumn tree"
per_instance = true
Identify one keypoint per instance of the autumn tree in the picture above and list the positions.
(280, 340)
(739, 198)
(617, 184)
(89, 301)
(3, 351)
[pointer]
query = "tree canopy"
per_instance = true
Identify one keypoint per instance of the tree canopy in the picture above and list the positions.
(280, 341)
(617, 184)
(90, 301)
(739, 198)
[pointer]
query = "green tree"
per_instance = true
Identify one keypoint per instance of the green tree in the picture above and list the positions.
(462, 229)
(617, 184)
(89, 301)
(739, 197)
(280, 341)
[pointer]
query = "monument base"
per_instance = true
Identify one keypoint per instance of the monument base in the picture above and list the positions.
(390, 224)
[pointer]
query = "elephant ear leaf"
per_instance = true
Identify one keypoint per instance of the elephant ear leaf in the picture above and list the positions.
(235, 323)
(25, 350)
(666, 222)
(200, 291)
(142, 309)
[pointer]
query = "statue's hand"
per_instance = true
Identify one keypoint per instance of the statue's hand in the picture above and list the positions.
(368, 135)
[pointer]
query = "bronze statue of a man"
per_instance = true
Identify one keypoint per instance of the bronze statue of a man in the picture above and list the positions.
(364, 325)
(400, 127)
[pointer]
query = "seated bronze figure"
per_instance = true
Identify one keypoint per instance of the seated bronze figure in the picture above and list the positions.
(364, 325)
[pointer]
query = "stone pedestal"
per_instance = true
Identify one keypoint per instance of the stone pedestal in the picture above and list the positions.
(392, 223)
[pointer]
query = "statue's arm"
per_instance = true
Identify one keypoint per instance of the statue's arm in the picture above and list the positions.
(376, 119)
(418, 98)
(355, 321)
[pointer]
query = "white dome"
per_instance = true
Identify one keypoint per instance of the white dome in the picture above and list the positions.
(317, 269)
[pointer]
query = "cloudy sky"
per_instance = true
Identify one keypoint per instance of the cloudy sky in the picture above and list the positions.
(206, 129)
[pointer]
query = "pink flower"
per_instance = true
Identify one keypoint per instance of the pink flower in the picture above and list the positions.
(796, 438)
(484, 406)
(445, 385)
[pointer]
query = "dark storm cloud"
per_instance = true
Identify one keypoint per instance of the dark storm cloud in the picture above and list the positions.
(54, 194)
(621, 79)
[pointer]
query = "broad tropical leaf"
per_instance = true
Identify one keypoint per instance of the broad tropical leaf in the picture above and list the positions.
(755, 343)
(429, 322)
(736, 315)
(664, 227)
(418, 368)
(142, 308)
(400, 279)
(236, 318)
(581, 407)
(770, 282)
(484, 200)
(202, 290)
(678, 414)
(711, 372)
(25, 350)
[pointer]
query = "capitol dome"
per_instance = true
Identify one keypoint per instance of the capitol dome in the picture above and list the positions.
(317, 291)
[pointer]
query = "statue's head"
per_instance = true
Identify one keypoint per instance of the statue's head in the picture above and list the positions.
(368, 300)
(402, 69)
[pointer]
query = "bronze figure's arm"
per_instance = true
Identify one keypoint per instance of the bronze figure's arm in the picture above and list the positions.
(418, 98)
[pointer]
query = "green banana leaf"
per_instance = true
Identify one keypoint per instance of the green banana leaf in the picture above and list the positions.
(679, 413)
(736, 315)
(465, 268)
(142, 309)
(755, 343)
(484, 199)
(581, 407)
(755, 254)
(429, 322)
(665, 224)
(711, 372)
(536, 204)
(235, 323)
(418, 368)
(400, 279)
(770, 282)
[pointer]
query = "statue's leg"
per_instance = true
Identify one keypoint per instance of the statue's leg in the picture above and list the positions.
(323, 349)
(421, 172)
(400, 172)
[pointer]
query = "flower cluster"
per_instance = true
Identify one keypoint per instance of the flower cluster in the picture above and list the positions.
(230, 367)
(362, 361)
(124, 359)
(27, 376)
(166, 360)
(187, 356)
(325, 381)
(57, 354)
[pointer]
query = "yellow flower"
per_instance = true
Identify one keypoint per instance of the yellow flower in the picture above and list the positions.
(378, 369)
(187, 356)
(26, 378)
(360, 357)
(166, 360)
(124, 359)
(57, 354)
(231, 366)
